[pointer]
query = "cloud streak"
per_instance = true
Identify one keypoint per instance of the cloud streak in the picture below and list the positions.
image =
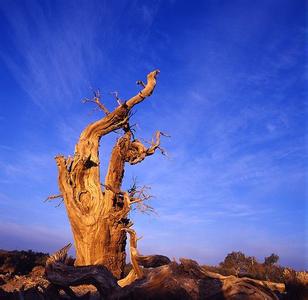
(57, 57)
(231, 97)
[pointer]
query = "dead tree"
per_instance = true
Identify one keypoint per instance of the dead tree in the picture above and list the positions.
(98, 212)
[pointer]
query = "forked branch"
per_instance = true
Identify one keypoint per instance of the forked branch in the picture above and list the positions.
(96, 100)
(155, 144)
(139, 195)
(87, 146)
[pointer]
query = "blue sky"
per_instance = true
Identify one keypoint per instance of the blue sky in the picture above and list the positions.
(231, 93)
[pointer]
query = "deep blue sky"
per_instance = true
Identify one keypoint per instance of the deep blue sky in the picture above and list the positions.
(231, 93)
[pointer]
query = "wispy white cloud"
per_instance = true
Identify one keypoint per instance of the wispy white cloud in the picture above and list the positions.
(215, 154)
(28, 167)
(57, 57)
(236, 128)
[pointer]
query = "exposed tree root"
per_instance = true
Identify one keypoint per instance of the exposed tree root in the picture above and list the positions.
(63, 276)
(157, 279)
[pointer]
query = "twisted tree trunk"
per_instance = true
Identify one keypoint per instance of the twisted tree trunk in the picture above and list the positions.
(98, 216)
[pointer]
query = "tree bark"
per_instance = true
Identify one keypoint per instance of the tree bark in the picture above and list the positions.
(98, 216)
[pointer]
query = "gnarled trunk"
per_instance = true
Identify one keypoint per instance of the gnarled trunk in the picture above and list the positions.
(97, 216)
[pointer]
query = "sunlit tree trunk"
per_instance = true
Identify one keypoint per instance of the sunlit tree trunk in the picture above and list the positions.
(98, 212)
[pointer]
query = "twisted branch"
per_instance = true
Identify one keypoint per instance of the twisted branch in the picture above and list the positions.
(138, 152)
(134, 252)
(146, 91)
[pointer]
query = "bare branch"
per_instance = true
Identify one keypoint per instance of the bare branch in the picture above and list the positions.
(116, 95)
(145, 208)
(156, 144)
(52, 197)
(60, 203)
(140, 82)
(140, 193)
(138, 196)
(96, 100)
(130, 224)
(88, 143)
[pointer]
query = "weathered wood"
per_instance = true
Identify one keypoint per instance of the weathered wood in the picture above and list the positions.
(65, 276)
(186, 280)
(152, 261)
(98, 216)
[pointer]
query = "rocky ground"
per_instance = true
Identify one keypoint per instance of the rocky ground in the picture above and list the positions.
(176, 280)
